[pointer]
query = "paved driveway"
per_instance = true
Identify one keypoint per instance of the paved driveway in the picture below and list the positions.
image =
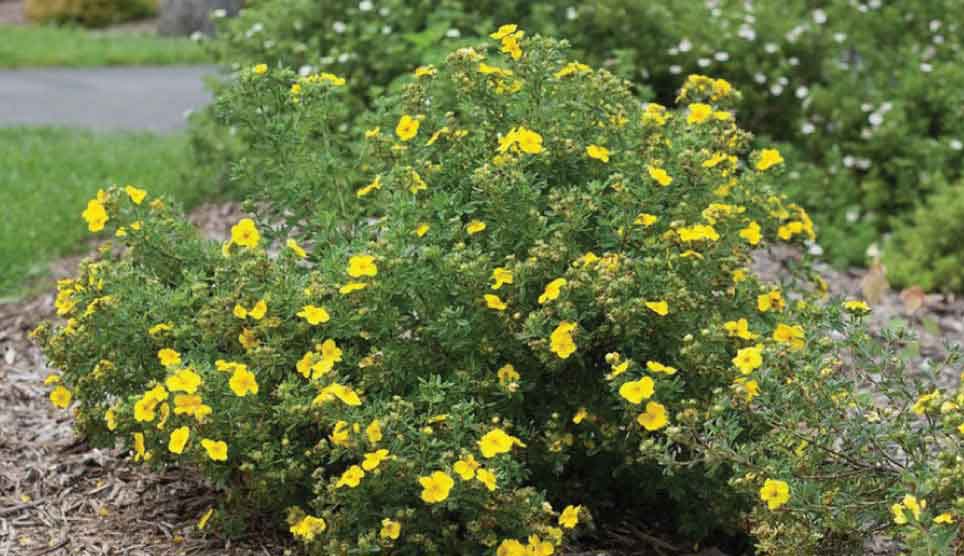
(131, 98)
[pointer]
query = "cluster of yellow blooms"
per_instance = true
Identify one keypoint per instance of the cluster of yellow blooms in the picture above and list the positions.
(640, 386)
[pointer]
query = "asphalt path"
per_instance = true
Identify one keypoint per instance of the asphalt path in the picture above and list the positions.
(113, 98)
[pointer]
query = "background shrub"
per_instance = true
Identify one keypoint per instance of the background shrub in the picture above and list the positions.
(89, 13)
(848, 86)
(926, 250)
(517, 265)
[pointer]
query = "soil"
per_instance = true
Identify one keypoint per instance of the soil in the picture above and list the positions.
(59, 496)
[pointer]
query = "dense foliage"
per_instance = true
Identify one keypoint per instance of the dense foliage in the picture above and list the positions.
(516, 307)
(849, 87)
(89, 13)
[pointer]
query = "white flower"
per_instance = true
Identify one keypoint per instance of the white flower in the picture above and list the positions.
(685, 45)
(840, 37)
(770, 48)
(807, 128)
(675, 69)
(926, 68)
(219, 13)
(876, 119)
(776, 89)
(747, 32)
(802, 92)
(722, 56)
(760, 78)
(305, 70)
(387, 30)
(956, 144)
(934, 25)
(453, 33)
(819, 17)
(339, 27)
(853, 215)
(571, 13)
(703, 62)
(365, 6)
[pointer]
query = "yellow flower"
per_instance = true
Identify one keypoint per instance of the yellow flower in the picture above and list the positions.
(436, 487)
(421, 230)
(259, 310)
(139, 452)
(425, 71)
(314, 315)
(487, 478)
(793, 335)
(340, 434)
(646, 220)
(496, 442)
(374, 432)
(739, 329)
(898, 512)
(178, 440)
(507, 374)
(362, 265)
(158, 329)
(184, 380)
(768, 159)
(475, 227)
(659, 174)
(504, 31)
(374, 459)
(698, 232)
(655, 114)
(598, 153)
(661, 308)
(657, 367)
(372, 133)
(351, 477)
(486, 69)
(245, 233)
(510, 46)
(466, 467)
(699, 113)
(526, 140)
(750, 387)
(217, 449)
(60, 397)
(770, 301)
(110, 417)
(751, 233)
(945, 518)
(552, 290)
(407, 128)
(580, 415)
(375, 184)
(569, 517)
(572, 68)
(261, 69)
(295, 248)
(749, 358)
(494, 302)
(334, 390)
(775, 493)
(654, 418)
(857, 306)
(95, 215)
(501, 276)
(920, 406)
(391, 529)
(242, 382)
(168, 357)
(203, 522)
(136, 195)
(511, 547)
(352, 287)
(637, 390)
(247, 339)
(191, 405)
(308, 528)
(561, 342)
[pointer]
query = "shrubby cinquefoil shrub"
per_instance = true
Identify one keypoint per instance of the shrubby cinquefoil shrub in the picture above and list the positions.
(518, 306)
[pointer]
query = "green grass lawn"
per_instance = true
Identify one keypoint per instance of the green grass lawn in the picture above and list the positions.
(32, 46)
(47, 175)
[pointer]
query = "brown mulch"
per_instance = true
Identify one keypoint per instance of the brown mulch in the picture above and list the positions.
(59, 496)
